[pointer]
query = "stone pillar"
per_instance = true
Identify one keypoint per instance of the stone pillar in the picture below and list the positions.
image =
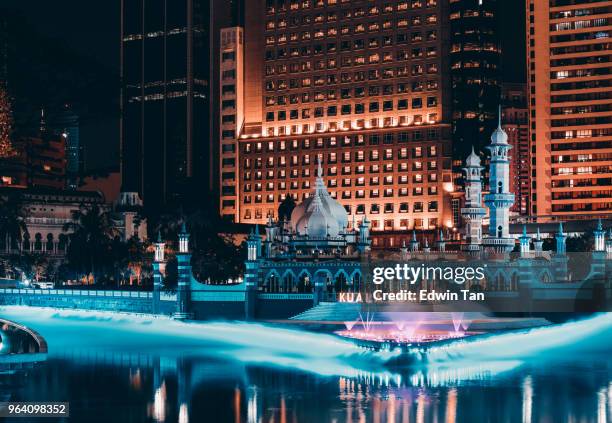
(250, 301)
(184, 277)
(599, 237)
(404, 251)
(525, 285)
(251, 276)
(157, 286)
(441, 242)
(319, 289)
(560, 258)
(414, 243)
(426, 248)
(538, 242)
(598, 266)
(524, 242)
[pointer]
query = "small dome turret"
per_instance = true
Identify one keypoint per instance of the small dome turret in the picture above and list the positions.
(472, 160)
(499, 136)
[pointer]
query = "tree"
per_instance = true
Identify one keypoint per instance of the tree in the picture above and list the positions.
(215, 256)
(130, 261)
(12, 218)
(6, 124)
(89, 250)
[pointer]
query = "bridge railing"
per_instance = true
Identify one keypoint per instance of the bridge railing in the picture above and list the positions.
(76, 292)
(286, 296)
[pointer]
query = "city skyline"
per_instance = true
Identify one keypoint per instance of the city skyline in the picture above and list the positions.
(377, 74)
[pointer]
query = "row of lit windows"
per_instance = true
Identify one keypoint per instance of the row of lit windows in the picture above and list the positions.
(347, 109)
(357, 92)
(573, 25)
(346, 93)
(361, 76)
(307, 50)
(349, 140)
(346, 183)
(332, 31)
(332, 49)
(346, 77)
(357, 124)
(281, 24)
(346, 157)
(471, 14)
(417, 206)
(282, 6)
(417, 178)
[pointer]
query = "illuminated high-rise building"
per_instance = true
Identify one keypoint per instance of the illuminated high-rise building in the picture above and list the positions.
(515, 122)
(570, 106)
(361, 86)
(168, 72)
(475, 71)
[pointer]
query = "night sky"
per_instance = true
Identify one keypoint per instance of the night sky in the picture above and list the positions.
(90, 29)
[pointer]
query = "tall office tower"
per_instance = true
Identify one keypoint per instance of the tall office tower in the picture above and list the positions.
(515, 121)
(475, 69)
(168, 72)
(231, 116)
(570, 99)
(359, 85)
(66, 125)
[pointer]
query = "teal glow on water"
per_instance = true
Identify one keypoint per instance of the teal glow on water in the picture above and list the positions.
(133, 369)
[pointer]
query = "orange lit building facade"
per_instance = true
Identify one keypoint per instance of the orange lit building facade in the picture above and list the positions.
(569, 64)
(358, 85)
(515, 122)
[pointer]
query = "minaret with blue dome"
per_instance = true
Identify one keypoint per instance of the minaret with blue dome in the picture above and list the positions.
(499, 199)
(473, 212)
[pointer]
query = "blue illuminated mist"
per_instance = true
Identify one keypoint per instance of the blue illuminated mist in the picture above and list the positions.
(252, 343)
(247, 342)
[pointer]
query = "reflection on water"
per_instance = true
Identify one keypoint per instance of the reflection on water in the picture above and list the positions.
(128, 369)
(135, 388)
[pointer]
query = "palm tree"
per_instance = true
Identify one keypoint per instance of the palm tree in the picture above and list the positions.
(90, 236)
(12, 219)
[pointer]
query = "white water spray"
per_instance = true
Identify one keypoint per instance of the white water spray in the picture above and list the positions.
(67, 330)
(588, 336)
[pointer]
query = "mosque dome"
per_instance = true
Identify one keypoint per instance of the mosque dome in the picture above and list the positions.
(473, 160)
(317, 222)
(499, 136)
(334, 213)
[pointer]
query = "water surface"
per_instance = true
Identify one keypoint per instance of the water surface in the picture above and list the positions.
(138, 369)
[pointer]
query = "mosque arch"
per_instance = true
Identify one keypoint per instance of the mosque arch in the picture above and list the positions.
(546, 277)
(49, 243)
(327, 277)
(62, 242)
(341, 281)
(499, 281)
(26, 242)
(288, 281)
(38, 241)
(272, 281)
(356, 280)
(514, 281)
(304, 281)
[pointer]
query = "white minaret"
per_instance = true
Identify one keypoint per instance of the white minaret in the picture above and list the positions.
(473, 212)
(500, 199)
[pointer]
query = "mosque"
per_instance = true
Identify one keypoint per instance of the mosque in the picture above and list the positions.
(311, 254)
(311, 248)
